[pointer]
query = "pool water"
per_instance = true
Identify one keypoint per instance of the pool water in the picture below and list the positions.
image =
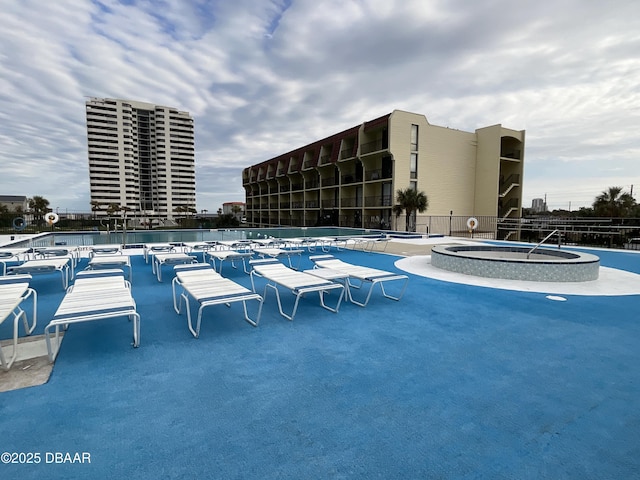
(140, 237)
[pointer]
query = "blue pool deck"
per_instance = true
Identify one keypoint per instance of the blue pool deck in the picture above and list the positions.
(463, 378)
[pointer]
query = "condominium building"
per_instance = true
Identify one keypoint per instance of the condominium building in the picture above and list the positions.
(141, 156)
(352, 178)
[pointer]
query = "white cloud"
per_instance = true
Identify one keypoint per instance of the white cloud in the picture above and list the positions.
(264, 77)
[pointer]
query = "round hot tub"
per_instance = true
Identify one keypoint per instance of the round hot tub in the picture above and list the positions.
(517, 263)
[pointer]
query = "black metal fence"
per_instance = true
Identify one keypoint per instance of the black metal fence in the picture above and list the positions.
(597, 232)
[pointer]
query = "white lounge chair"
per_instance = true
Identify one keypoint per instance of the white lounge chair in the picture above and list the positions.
(299, 283)
(363, 275)
(194, 247)
(280, 253)
(57, 252)
(203, 284)
(161, 259)
(120, 262)
(95, 295)
(14, 290)
(107, 249)
(218, 257)
(152, 248)
(311, 243)
(46, 265)
(11, 255)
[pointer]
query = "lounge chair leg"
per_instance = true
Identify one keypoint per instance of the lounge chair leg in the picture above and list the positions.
(196, 332)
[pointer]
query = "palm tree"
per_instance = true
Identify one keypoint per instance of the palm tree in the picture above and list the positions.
(95, 206)
(236, 210)
(613, 202)
(38, 206)
(410, 201)
(113, 208)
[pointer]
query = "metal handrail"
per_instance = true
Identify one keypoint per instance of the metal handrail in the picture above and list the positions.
(542, 241)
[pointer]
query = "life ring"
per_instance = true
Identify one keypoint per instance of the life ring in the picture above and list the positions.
(19, 224)
(51, 218)
(472, 223)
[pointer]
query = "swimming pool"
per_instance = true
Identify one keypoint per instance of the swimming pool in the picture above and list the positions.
(140, 237)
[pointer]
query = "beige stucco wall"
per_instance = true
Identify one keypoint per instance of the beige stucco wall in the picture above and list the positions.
(487, 170)
(446, 163)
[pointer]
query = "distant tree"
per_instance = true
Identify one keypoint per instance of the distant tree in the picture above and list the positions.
(410, 201)
(185, 209)
(113, 208)
(613, 202)
(585, 212)
(236, 210)
(95, 206)
(38, 206)
(227, 220)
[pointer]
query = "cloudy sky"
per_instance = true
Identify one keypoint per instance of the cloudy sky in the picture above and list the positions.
(262, 77)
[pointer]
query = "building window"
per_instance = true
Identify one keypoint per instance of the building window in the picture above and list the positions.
(414, 138)
(413, 186)
(413, 171)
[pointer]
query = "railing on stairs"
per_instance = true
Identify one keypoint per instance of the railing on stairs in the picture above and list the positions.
(510, 183)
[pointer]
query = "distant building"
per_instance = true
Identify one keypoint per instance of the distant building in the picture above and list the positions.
(538, 205)
(141, 156)
(351, 178)
(234, 208)
(15, 203)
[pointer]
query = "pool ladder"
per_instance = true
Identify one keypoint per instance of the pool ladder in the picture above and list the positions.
(544, 240)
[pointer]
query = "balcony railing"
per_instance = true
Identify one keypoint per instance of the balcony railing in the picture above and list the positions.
(325, 159)
(346, 153)
(370, 147)
(348, 178)
(328, 182)
(351, 201)
(378, 201)
(515, 154)
(373, 175)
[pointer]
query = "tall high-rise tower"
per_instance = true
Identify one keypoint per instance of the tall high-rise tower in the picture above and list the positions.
(141, 156)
